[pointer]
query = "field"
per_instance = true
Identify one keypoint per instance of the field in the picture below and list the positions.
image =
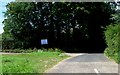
(36, 62)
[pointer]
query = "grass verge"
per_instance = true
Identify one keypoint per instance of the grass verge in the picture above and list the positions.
(36, 62)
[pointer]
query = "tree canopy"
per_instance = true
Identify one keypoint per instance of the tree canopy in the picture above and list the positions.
(69, 25)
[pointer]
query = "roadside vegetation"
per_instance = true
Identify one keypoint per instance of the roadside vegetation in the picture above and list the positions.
(112, 35)
(71, 27)
(0, 40)
(0, 36)
(35, 62)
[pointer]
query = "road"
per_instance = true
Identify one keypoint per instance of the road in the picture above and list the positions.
(86, 63)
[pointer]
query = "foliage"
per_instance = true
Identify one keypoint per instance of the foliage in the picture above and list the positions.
(0, 41)
(116, 16)
(19, 51)
(0, 37)
(64, 24)
(37, 62)
(112, 35)
(32, 50)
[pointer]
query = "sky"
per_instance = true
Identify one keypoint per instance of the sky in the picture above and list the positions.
(3, 9)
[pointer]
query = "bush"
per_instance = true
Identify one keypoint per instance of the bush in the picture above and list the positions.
(32, 50)
(7, 44)
(112, 36)
(55, 50)
(19, 51)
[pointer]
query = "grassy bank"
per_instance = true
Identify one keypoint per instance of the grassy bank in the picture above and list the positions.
(36, 62)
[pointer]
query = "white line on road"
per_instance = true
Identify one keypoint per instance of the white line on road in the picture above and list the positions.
(96, 71)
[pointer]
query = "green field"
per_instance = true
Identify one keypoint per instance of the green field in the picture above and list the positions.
(37, 62)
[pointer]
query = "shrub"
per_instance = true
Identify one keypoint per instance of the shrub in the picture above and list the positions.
(7, 43)
(112, 35)
(55, 50)
(19, 51)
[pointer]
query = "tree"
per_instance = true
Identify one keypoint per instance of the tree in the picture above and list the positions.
(64, 24)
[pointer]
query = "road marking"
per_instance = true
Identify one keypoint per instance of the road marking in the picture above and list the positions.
(96, 71)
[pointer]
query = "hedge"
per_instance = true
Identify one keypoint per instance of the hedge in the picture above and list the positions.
(112, 38)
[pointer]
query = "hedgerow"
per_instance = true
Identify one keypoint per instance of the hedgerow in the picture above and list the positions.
(112, 38)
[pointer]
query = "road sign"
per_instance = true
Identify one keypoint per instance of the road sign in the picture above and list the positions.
(44, 41)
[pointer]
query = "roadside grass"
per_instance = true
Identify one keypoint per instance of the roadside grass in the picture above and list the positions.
(36, 62)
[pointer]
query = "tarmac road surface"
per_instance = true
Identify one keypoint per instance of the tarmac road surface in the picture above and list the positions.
(86, 63)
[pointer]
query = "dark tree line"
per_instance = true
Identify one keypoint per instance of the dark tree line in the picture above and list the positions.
(73, 27)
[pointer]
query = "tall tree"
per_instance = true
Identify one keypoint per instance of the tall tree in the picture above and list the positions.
(65, 24)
